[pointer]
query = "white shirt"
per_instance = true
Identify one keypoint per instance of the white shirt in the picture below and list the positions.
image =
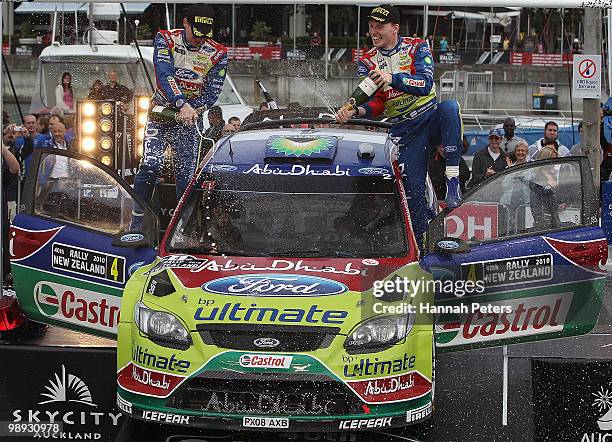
(494, 155)
(60, 169)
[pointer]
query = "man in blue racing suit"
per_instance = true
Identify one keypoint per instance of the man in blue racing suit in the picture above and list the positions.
(402, 68)
(190, 72)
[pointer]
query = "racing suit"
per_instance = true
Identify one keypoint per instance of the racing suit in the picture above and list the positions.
(418, 119)
(184, 74)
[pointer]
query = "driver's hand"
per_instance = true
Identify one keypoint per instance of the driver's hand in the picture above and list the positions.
(344, 115)
(187, 115)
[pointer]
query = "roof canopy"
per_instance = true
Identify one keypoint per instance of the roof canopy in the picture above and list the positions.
(39, 7)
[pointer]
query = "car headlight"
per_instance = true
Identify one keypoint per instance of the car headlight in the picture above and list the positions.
(380, 331)
(160, 325)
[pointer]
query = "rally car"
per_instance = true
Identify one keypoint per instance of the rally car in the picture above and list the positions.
(288, 292)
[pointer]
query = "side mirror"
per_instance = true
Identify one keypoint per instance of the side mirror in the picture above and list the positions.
(132, 240)
(450, 246)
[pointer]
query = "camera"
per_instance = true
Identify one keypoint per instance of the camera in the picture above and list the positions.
(18, 129)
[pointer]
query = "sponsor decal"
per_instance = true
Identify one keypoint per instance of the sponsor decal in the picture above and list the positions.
(603, 402)
(369, 262)
(124, 405)
(172, 363)
(265, 361)
(373, 171)
(167, 418)
(173, 86)
(300, 146)
(88, 262)
(358, 424)
(24, 243)
(415, 83)
(268, 403)
(163, 51)
(235, 312)
(222, 168)
(297, 170)
(222, 73)
(389, 389)
(147, 382)
(134, 267)
(449, 149)
(520, 270)
(449, 245)
(132, 237)
(472, 221)
(278, 265)
(265, 422)
(374, 366)
(428, 60)
(77, 306)
(266, 342)
(527, 317)
(64, 388)
(205, 20)
(186, 74)
(274, 285)
(179, 50)
(418, 413)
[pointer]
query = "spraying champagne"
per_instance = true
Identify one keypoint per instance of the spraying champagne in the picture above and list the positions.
(271, 103)
(361, 94)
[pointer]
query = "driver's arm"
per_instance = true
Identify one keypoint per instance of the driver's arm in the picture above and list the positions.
(163, 60)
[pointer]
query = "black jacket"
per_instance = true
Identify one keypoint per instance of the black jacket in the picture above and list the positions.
(482, 161)
(437, 174)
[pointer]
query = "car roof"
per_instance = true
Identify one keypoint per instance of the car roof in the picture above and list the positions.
(251, 147)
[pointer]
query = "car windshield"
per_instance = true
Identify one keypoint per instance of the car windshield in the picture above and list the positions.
(240, 215)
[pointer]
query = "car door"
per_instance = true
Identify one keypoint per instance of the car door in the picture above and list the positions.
(526, 247)
(70, 246)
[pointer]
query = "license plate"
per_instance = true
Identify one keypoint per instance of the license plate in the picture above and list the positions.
(265, 422)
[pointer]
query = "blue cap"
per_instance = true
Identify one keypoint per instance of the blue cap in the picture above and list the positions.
(496, 132)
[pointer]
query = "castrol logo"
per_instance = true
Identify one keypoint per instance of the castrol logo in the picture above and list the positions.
(265, 361)
(527, 317)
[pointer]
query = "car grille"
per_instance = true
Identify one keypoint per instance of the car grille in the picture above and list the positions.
(290, 338)
(298, 394)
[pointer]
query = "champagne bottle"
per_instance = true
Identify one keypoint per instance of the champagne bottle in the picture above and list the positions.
(361, 94)
(163, 114)
(271, 103)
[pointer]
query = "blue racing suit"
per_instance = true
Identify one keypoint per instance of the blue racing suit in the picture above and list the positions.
(419, 120)
(184, 74)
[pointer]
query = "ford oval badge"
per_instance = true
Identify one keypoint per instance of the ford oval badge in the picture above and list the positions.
(266, 342)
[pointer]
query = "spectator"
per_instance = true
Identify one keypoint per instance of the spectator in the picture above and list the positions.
(46, 140)
(10, 170)
(229, 129)
(430, 42)
(551, 132)
(115, 91)
(443, 44)
(59, 140)
(217, 123)
(315, 40)
(521, 152)
(95, 91)
(8, 140)
(506, 43)
(264, 107)
(489, 160)
(576, 149)
(69, 123)
(24, 143)
(234, 121)
(543, 186)
(58, 111)
(42, 125)
(510, 140)
(437, 172)
(64, 96)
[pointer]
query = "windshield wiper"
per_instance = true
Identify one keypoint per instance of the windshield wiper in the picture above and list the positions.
(314, 252)
(211, 251)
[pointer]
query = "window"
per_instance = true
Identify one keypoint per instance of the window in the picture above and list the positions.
(76, 191)
(530, 199)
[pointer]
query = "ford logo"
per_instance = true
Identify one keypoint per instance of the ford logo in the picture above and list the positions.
(266, 342)
(448, 245)
(449, 149)
(186, 74)
(274, 285)
(373, 171)
(132, 237)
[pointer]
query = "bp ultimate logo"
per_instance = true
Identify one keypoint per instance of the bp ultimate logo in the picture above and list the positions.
(77, 306)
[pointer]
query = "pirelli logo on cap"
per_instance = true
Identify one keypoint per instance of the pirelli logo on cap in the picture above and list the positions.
(380, 10)
(205, 20)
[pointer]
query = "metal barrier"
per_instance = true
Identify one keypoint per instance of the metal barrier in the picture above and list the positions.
(473, 90)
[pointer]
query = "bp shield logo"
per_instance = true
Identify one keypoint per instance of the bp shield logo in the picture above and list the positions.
(46, 299)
